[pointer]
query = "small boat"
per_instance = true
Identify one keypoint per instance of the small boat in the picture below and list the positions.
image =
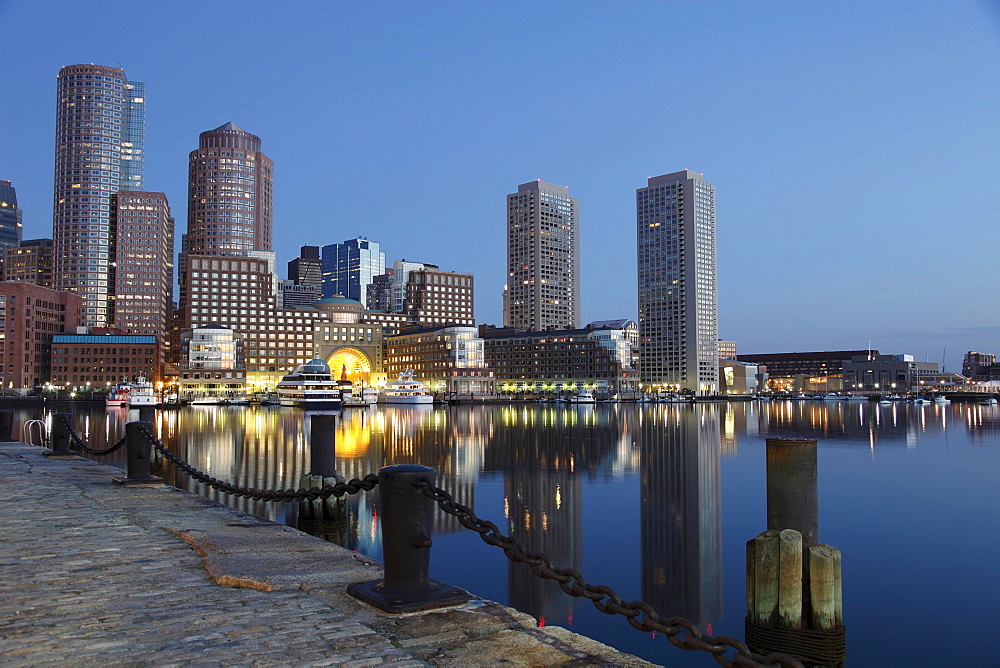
(241, 400)
(310, 385)
(857, 397)
(833, 396)
(920, 401)
(584, 397)
(989, 401)
(142, 394)
(405, 390)
(941, 400)
(118, 395)
(208, 400)
(358, 396)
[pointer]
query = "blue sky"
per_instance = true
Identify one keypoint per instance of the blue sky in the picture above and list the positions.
(853, 145)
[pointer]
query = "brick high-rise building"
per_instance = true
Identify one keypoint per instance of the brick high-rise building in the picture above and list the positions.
(230, 195)
(435, 297)
(30, 316)
(144, 259)
(543, 258)
(97, 114)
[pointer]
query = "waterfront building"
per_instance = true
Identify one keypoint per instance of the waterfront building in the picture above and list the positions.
(10, 217)
(351, 346)
(144, 263)
(678, 299)
(887, 373)
(102, 357)
(727, 350)
(817, 371)
(96, 113)
(400, 280)
(448, 360)
(740, 377)
(629, 328)
(230, 195)
(307, 268)
(349, 267)
(973, 361)
(543, 258)
(239, 293)
(30, 262)
(435, 297)
(212, 363)
(596, 359)
(294, 295)
(32, 314)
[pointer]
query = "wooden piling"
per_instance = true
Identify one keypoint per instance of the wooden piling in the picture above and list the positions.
(789, 579)
(825, 587)
(765, 578)
(792, 497)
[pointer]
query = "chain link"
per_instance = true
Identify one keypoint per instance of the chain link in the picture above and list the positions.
(75, 438)
(354, 486)
(679, 631)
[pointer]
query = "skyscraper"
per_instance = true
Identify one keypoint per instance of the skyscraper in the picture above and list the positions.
(10, 217)
(230, 194)
(348, 268)
(96, 114)
(543, 258)
(307, 268)
(678, 301)
(144, 262)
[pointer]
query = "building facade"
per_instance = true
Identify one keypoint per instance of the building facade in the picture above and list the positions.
(348, 268)
(972, 362)
(678, 300)
(212, 363)
(31, 262)
(449, 360)
(887, 373)
(30, 316)
(561, 361)
(816, 371)
(95, 114)
(144, 263)
(10, 217)
(98, 360)
(230, 195)
(307, 268)
(543, 258)
(435, 297)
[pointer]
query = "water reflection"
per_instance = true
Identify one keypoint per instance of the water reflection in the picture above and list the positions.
(645, 479)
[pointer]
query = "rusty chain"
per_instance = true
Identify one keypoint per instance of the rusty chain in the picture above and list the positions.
(354, 486)
(679, 631)
(75, 438)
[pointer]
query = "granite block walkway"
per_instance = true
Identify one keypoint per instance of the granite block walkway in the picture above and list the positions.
(92, 573)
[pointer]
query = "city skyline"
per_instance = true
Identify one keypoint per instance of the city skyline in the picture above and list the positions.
(888, 96)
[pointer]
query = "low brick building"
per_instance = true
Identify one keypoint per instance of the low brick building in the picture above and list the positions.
(99, 360)
(30, 316)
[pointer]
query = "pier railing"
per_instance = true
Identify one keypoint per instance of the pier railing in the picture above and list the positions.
(406, 491)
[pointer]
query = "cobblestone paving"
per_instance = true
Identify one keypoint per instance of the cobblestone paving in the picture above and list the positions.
(82, 585)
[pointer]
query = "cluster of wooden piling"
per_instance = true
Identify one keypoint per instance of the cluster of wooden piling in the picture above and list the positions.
(794, 594)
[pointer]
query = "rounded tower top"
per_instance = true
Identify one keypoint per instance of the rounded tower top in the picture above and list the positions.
(229, 135)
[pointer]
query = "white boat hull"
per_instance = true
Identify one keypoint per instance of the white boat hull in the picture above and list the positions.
(414, 399)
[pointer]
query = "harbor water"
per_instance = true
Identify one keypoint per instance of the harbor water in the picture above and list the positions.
(655, 501)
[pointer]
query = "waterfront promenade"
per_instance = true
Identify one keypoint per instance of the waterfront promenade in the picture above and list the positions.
(98, 574)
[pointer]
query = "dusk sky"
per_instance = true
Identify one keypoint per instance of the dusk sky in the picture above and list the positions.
(854, 146)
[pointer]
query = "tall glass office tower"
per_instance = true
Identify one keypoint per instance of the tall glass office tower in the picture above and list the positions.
(10, 217)
(134, 141)
(94, 119)
(543, 258)
(350, 267)
(678, 300)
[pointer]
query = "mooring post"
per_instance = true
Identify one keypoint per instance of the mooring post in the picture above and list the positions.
(792, 496)
(406, 541)
(60, 437)
(6, 426)
(322, 470)
(147, 414)
(138, 451)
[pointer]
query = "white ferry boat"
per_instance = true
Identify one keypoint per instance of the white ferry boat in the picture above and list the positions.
(118, 395)
(142, 394)
(310, 385)
(405, 390)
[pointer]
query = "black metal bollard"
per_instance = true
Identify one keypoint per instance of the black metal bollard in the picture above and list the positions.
(59, 437)
(138, 451)
(6, 426)
(406, 542)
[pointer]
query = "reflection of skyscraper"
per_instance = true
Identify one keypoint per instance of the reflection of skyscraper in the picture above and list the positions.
(681, 514)
(546, 513)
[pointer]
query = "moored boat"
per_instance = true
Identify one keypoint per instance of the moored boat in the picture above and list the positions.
(584, 397)
(405, 390)
(118, 395)
(310, 385)
(142, 394)
(989, 401)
